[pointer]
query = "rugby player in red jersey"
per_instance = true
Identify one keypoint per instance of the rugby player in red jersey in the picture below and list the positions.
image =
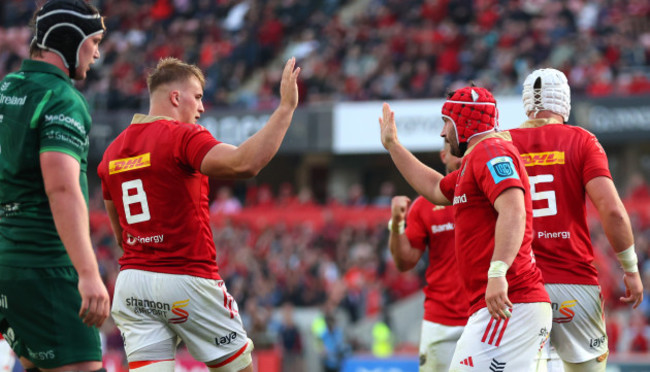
(155, 184)
(510, 312)
(565, 164)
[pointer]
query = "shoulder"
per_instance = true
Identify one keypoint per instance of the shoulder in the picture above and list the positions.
(493, 147)
(419, 203)
(180, 127)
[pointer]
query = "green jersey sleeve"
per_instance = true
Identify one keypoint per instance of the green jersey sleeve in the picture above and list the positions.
(64, 125)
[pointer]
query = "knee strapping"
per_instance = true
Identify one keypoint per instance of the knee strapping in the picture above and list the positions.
(594, 365)
(152, 366)
(163, 350)
(234, 363)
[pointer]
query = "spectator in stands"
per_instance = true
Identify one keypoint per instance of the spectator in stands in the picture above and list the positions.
(225, 202)
(290, 341)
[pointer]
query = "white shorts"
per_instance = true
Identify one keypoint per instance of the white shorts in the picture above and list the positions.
(437, 345)
(578, 324)
(498, 345)
(152, 308)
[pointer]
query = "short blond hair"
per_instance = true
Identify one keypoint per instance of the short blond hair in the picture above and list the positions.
(171, 70)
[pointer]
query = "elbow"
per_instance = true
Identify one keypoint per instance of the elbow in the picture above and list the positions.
(246, 171)
(615, 215)
(251, 168)
(52, 191)
(404, 265)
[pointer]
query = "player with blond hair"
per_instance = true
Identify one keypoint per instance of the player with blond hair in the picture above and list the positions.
(155, 183)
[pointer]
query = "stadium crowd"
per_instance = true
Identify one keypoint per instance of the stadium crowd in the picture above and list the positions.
(387, 49)
(391, 49)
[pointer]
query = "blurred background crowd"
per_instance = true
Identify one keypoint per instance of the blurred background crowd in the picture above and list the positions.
(278, 247)
(358, 50)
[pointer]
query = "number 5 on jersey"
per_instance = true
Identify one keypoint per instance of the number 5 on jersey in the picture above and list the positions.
(549, 196)
(139, 197)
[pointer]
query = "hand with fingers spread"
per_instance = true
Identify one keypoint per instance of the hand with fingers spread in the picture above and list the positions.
(95, 303)
(496, 297)
(289, 84)
(633, 289)
(388, 127)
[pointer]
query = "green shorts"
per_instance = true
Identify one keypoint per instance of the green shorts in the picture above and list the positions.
(39, 316)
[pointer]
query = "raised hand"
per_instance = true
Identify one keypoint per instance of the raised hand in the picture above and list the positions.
(387, 126)
(289, 84)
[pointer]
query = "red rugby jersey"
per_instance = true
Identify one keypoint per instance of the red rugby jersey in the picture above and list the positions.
(560, 160)
(151, 173)
(489, 168)
(430, 226)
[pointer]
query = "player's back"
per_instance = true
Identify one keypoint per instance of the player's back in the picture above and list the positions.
(150, 172)
(560, 160)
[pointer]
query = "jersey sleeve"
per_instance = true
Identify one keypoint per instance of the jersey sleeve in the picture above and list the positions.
(595, 160)
(497, 172)
(448, 184)
(416, 230)
(64, 125)
(196, 142)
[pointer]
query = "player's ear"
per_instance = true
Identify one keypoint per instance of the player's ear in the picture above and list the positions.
(175, 98)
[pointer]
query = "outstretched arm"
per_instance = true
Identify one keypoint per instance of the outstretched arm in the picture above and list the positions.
(617, 227)
(247, 160)
(405, 256)
(423, 179)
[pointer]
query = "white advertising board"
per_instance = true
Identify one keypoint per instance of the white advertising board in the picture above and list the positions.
(356, 124)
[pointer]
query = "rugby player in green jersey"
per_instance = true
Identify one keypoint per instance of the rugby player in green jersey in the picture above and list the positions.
(52, 298)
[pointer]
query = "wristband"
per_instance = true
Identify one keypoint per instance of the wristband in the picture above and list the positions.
(399, 229)
(497, 269)
(628, 260)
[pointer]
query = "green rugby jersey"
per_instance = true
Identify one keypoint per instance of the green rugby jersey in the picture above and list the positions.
(40, 111)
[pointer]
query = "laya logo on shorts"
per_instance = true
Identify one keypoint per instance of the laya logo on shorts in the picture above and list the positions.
(595, 343)
(502, 168)
(225, 340)
(177, 309)
(565, 309)
(543, 158)
(128, 164)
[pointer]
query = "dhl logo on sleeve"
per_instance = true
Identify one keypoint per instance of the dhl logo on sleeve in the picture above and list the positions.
(543, 158)
(127, 164)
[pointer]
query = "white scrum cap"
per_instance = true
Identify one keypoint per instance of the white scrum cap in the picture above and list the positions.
(547, 89)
